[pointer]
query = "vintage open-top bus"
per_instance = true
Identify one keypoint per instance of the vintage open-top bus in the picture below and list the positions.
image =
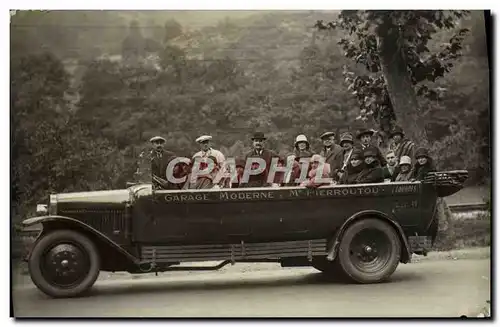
(360, 231)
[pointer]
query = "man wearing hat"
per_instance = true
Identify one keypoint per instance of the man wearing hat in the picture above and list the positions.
(160, 158)
(331, 152)
(347, 144)
(365, 137)
(400, 145)
(258, 151)
(206, 151)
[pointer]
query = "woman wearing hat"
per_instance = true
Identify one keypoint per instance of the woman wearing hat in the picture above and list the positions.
(423, 164)
(353, 168)
(240, 168)
(399, 144)
(404, 170)
(302, 147)
(313, 180)
(372, 172)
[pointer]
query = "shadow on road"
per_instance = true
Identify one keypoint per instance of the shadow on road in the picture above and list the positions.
(266, 282)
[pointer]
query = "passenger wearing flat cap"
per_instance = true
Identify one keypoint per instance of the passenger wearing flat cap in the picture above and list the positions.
(354, 168)
(206, 151)
(331, 152)
(373, 172)
(364, 137)
(259, 151)
(160, 158)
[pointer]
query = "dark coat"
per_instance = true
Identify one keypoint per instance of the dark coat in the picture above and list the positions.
(380, 157)
(160, 161)
(372, 173)
(351, 174)
(333, 157)
(419, 172)
(387, 173)
(261, 179)
(159, 164)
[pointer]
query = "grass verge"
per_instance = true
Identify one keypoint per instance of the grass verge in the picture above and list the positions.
(466, 231)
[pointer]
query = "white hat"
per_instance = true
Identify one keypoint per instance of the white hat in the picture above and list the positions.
(405, 160)
(301, 138)
(316, 158)
(157, 138)
(203, 138)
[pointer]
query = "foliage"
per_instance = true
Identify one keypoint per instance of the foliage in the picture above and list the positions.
(416, 29)
(173, 29)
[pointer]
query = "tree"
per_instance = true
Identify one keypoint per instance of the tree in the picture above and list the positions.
(55, 149)
(134, 45)
(393, 48)
(172, 30)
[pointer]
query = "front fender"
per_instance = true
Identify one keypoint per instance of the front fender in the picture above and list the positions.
(334, 245)
(49, 221)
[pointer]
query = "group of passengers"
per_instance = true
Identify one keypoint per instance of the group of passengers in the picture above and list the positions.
(351, 161)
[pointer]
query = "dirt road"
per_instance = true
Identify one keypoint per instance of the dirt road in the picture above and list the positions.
(435, 288)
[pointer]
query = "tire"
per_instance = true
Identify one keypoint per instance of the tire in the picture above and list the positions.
(369, 252)
(64, 263)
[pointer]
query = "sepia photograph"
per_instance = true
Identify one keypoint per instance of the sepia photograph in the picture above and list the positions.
(251, 163)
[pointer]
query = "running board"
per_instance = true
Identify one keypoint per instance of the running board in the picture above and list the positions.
(234, 252)
(199, 268)
(216, 267)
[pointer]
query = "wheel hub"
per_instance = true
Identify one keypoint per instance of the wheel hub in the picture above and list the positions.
(369, 250)
(65, 265)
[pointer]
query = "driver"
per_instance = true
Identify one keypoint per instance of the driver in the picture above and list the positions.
(160, 158)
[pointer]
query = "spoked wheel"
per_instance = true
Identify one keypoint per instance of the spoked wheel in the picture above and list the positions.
(64, 263)
(369, 251)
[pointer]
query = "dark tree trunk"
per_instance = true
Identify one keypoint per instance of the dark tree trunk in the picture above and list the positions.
(399, 85)
(408, 114)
